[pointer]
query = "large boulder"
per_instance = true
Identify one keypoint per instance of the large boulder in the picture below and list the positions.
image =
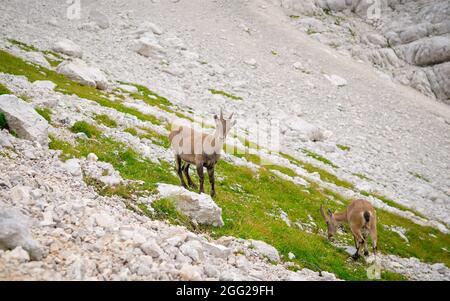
(148, 47)
(15, 232)
(68, 47)
(81, 72)
(22, 118)
(199, 207)
(265, 250)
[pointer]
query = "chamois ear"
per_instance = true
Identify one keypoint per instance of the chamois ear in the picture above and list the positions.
(215, 117)
(330, 213)
(322, 211)
(233, 123)
(231, 116)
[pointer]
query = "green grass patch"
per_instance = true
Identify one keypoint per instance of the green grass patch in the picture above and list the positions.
(318, 157)
(362, 176)
(241, 191)
(105, 120)
(226, 94)
(24, 46)
(165, 210)
(132, 131)
(419, 176)
(14, 65)
(128, 162)
(4, 90)
(343, 147)
(46, 113)
(324, 175)
(90, 130)
(273, 52)
(3, 123)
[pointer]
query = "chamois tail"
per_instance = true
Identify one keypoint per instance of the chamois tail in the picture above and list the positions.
(366, 216)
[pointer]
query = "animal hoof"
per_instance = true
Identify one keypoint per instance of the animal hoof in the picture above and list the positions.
(355, 256)
(213, 193)
(193, 186)
(366, 253)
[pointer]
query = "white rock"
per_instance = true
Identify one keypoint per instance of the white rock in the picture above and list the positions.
(251, 62)
(92, 157)
(151, 248)
(298, 65)
(336, 80)
(265, 250)
(83, 73)
(14, 232)
(72, 166)
(68, 47)
(37, 58)
(193, 249)
(44, 84)
(291, 255)
(17, 254)
(20, 194)
(99, 18)
(23, 119)
(199, 207)
(148, 48)
(129, 88)
(104, 220)
(191, 273)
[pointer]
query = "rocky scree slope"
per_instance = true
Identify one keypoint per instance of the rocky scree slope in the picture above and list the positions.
(139, 120)
(407, 40)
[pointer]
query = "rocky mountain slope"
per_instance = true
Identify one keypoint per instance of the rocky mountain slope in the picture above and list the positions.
(407, 40)
(100, 202)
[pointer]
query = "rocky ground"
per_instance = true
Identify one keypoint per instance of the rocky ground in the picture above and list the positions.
(407, 40)
(384, 138)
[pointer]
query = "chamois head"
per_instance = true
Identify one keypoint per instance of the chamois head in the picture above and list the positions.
(332, 225)
(223, 126)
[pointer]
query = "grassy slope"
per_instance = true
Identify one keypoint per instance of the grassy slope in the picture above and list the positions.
(242, 192)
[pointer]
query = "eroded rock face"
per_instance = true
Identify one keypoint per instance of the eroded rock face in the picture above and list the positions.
(410, 40)
(23, 119)
(199, 207)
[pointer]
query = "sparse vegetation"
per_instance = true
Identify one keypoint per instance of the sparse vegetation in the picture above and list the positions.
(220, 92)
(419, 176)
(87, 128)
(45, 112)
(274, 52)
(318, 157)
(106, 120)
(4, 90)
(343, 147)
(3, 123)
(240, 189)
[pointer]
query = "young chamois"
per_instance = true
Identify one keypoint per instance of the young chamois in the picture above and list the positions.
(199, 149)
(362, 219)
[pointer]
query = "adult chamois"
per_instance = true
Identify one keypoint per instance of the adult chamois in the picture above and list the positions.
(362, 219)
(199, 149)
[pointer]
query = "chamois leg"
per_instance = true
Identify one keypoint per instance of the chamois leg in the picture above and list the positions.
(211, 180)
(179, 170)
(200, 176)
(188, 177)
(359, 241)
(374, 236)
(366, 250)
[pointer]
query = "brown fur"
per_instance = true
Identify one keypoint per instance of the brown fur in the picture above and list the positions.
(355, 216)
(191, 155)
